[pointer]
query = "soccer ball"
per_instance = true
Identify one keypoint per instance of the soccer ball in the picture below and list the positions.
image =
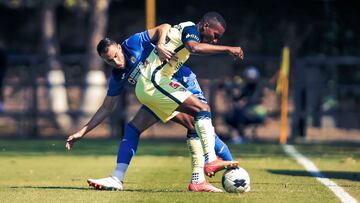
(236, 180)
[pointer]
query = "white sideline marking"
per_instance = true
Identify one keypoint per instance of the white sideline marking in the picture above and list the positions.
(311, 168)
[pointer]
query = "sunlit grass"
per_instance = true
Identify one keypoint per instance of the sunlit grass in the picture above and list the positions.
(42, 171)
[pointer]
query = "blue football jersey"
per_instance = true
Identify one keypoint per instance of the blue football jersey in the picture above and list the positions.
(136, 49)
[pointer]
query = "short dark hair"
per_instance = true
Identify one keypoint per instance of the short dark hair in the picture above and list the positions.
(103, 45)
(212, 18)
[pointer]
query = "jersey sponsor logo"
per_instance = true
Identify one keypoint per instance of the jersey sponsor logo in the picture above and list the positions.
(167, 39)
(174, 85)
(192, 36)
(132, 79)
(178, 65)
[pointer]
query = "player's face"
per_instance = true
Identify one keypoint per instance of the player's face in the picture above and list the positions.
(211, 33)
(114, 56)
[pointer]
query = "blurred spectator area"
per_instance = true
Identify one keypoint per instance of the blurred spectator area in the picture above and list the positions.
(324, 98)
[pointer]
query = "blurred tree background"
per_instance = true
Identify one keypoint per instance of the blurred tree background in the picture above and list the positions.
(60, 36)
(318, 27)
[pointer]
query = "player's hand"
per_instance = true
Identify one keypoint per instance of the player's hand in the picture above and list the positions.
(236, 52)
(165, 54)
(72, 139)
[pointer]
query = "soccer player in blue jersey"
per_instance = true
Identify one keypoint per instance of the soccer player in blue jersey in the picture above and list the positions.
(132, 49)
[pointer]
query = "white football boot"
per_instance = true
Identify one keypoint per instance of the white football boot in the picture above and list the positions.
(109, 183)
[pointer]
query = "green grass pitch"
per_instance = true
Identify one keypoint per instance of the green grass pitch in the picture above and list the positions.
(42, 171)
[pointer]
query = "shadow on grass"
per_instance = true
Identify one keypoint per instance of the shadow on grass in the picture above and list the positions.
(88, 147)
(354, 176)
(82, 188)
(154, 190)
(50, 187)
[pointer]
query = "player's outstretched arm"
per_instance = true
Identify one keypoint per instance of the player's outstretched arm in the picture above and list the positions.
(105, 109)
(204, 48)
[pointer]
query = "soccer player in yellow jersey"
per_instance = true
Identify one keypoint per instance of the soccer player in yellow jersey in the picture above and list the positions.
(166, 98)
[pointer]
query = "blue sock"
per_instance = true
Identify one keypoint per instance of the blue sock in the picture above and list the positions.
(222, 150)
(128, 144)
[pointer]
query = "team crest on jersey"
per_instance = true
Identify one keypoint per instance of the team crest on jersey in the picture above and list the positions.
(133, 59)
(146, 62)
(178, 27)
(174, 85)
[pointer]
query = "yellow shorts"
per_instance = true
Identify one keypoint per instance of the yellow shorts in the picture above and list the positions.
(161, 95)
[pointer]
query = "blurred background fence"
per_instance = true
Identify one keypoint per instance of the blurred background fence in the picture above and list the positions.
(320, 100)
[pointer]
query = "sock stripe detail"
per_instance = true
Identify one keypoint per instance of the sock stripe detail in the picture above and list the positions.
(192, 134)
(202, 115)
(130, 125)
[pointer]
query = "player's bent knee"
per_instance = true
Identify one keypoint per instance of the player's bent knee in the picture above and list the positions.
(205, 107)
(193, 105)
(190, 126)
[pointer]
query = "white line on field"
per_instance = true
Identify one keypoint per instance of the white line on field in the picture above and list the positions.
(311, 168)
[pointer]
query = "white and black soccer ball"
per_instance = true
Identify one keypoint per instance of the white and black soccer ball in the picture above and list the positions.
(236, 180)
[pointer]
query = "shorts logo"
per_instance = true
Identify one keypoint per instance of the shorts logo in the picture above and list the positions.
(174, 85)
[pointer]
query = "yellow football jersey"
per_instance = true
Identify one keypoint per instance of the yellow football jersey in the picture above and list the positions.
(174, 42)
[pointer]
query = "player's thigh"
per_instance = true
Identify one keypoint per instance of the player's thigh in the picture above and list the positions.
(162, 97)
(143, 119)
(193, 105)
